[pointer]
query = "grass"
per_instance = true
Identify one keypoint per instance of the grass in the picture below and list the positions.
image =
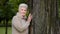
(2, 30)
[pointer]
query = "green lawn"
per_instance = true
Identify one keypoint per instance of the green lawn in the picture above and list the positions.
(2, 30)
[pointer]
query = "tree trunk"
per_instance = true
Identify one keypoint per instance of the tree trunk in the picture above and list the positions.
(39, 17)
(44, 17)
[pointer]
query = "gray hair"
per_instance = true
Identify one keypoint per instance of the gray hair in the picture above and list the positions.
(23, 5)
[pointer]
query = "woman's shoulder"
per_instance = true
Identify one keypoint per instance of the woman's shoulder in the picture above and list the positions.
(14, 17)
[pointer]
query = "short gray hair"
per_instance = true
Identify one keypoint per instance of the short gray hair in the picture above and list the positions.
(23, 5)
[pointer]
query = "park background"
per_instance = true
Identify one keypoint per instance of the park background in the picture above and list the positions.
(8, 8)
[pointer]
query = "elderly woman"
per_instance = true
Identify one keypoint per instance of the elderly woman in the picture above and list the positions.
(19, 23)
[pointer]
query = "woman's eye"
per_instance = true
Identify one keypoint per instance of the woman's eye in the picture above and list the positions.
(24, 10)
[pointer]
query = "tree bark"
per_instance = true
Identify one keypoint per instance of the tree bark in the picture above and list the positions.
(44, 17)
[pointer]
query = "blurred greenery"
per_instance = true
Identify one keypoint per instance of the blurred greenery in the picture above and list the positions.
(2, 30)
(8, 8)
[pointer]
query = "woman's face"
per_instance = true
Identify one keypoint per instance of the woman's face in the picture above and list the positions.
(23, 11)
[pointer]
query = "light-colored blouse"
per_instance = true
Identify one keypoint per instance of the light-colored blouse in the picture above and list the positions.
(19, 25)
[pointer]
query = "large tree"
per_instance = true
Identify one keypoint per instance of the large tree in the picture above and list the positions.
(44, 17)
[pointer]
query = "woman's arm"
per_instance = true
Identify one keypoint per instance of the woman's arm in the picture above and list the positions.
(18, 25)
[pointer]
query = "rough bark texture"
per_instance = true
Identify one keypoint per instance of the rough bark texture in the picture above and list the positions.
(44, 17)
(39, 19)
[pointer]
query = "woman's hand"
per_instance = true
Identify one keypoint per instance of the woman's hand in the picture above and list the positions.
(29, 18)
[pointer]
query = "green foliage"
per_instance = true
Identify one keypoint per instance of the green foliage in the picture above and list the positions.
(2, 30)
(8, 8)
